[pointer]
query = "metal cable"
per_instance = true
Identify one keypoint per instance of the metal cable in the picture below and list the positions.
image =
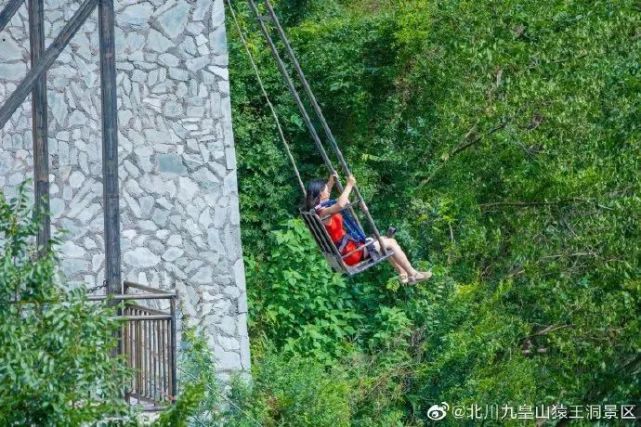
(319, 114)
(266, 96)
(292, 90)
(307, 87)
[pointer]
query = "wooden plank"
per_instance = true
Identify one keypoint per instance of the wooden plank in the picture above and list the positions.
(129, 297)
(7, 13)
(39, 125)
(109, 146)
(156, 291)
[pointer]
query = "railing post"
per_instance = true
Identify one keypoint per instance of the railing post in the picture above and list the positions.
(149, 344)
(173, 388)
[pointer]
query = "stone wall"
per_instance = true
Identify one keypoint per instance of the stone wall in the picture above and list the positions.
(179, 200)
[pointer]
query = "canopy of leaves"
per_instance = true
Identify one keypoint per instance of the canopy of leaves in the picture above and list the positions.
(503, 138)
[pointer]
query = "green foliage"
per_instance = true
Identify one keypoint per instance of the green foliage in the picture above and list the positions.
(198, 380)
(301, 305)
(55, 361)
(502, 138)
(283, 391)
(185, 409)
(297, 391)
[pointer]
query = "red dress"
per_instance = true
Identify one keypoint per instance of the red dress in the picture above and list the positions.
(334, 226)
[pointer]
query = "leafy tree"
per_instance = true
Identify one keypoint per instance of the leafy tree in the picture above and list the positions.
(502, 139)
(283, 390)
(56, 366)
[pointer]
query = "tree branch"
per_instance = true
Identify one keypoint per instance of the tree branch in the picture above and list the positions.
(462, 147)
(475, 140)
(550, 328)
(521, 204)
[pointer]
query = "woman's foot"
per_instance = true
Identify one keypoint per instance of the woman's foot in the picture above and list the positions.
(403, 278)
(419, 276)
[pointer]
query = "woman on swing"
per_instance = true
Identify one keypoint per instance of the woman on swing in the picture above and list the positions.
(318, 192)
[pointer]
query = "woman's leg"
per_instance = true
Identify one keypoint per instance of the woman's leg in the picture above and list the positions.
(399, 259)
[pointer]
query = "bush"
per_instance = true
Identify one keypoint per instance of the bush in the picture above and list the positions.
(293, 391)
(299, 303)
(56, 366)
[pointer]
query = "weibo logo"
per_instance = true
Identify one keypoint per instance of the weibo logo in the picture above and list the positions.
(438, 412)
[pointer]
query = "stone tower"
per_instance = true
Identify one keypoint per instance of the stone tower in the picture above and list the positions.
(177, 166)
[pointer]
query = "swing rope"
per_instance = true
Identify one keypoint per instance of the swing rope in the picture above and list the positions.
(301, 106)
(293, 91)
(307, 88)
(317, 109)
(266, 96)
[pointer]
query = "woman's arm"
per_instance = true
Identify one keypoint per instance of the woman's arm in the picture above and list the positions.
(343, 200)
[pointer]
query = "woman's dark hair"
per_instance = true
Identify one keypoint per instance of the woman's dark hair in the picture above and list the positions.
(314, 188)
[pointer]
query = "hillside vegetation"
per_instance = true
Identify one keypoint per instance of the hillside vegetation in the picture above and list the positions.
(503, 139)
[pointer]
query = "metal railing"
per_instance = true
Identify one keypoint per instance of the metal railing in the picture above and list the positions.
(147, 342)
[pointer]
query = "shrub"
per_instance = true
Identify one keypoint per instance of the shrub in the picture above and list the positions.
(56, 366)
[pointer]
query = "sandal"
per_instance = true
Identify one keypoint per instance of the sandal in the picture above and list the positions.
(420, 276)
(403, 278)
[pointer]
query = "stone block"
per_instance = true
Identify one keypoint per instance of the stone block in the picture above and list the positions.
(172, 254)
(157, 42)
(136, 15)
(141, 258)
(174, 20)
(171, 163)
(227, 360)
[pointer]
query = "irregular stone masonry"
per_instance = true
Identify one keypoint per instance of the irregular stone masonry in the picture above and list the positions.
(179, 197)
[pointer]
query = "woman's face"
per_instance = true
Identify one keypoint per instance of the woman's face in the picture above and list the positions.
(324, 195)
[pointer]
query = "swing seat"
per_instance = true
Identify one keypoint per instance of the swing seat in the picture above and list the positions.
(330, 251)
